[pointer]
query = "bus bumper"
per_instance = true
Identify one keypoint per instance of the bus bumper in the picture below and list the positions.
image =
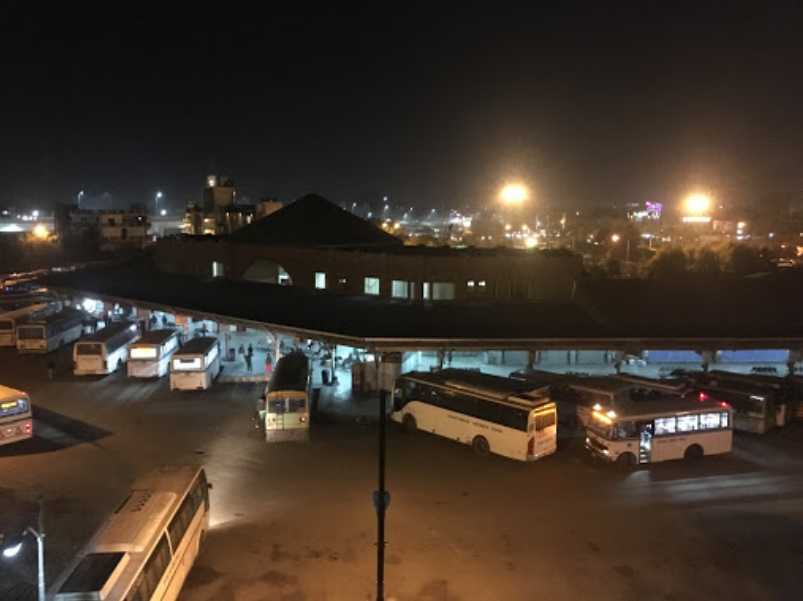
(287, 435)
(16, 431)
(598, 451)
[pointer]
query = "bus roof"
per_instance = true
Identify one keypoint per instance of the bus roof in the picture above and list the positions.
(198, 346)
(24, 311)
(290, 373)
(509, 390)
(65, 314)
(109, 331)
(667, 405)
(602, 384)
(132, 529)
(674, 385)
(6, 392)
(155, 337)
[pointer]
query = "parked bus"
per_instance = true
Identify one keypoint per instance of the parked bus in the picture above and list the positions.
(106, 350)
(753, 404)
(11, 319)
(584, 393)
(47, 333)
(16, 420)
(149, 357)
(492, 414)
(196, 365)
(284, 408)
(145, 550)
(634, 432)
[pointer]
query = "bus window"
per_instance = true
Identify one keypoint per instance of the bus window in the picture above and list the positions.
(544, 420)
(296, 405)
(276, 406)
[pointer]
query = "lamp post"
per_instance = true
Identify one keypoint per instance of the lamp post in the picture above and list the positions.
(156, 199)
(12, 549)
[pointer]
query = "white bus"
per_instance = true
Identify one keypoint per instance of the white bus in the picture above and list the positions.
(145, 550)
(106, 350)
(149, 357)
(284, 408)
(45, 334)
(11, 319)
(648, 431)
(492, 414)
(196, 365)
(16, 419)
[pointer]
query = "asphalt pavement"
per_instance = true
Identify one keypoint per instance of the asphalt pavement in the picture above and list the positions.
(295, 521)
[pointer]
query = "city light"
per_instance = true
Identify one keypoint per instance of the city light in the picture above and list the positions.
(12, 551)
(514, 194)
(41, 232)
(697, 203)
(531, 242)
(163, 212)
(615, 238)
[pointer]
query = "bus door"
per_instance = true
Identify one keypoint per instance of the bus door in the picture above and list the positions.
(545, 436)
(645, 430)
(274, 419)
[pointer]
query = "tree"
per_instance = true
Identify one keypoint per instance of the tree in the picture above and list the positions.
(707, 263)
(668, 263)
(744, 260)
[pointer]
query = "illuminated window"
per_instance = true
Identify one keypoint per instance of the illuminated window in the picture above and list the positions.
(710, 421)
(426, 294)
(687, 423)
(320, 280)
(664, 425)
(442, 291)
(400, 289)
(371, 286)
(217, 269)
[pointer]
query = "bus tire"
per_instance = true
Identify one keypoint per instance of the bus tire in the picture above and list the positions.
(693, 453)
(409, 424)
(481, 446)
(626, 460)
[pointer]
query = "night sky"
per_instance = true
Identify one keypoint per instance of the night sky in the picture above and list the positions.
(607, 102)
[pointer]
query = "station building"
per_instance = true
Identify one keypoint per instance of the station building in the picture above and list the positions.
(314, 244)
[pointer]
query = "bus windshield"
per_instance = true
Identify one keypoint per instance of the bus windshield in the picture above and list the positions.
(9, 408)
(89, 348)
(30, 332)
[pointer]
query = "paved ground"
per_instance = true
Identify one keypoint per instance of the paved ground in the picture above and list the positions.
(295, 522)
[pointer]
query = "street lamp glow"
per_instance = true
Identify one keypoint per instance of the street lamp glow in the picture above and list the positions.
(615, 238)
(697, 203)
(12, 551)
(514, 194)
(41, 232)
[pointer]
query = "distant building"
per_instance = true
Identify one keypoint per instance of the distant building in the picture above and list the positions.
(123, 229)
(218, 213)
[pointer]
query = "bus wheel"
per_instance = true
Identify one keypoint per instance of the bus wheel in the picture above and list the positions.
(409, 424)
(626, 460)
(481, 446)
(693, 453)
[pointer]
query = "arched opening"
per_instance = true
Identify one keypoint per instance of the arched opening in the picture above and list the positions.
(267, 272)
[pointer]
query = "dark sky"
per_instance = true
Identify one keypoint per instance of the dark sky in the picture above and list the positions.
(604, 102)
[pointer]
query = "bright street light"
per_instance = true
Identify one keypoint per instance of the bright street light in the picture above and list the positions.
(12, 551)
(615, 238)
(40, 231)
(514, 193)
(697, 203)
(163, 212)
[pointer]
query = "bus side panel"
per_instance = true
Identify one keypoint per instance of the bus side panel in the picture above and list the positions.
(8, 338)
(184, 557)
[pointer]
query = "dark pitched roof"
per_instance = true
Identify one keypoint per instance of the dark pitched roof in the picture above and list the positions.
(314, 221)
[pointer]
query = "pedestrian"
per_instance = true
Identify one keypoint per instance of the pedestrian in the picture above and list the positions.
(248, 363)
(241, 350)
(51, 369)
(268, 365)
(250, 350)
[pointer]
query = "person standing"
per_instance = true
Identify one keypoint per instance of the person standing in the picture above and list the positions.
(248, 363)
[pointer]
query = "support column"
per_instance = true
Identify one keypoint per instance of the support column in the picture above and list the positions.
(708, 359)
(530, 360)
(795, 355)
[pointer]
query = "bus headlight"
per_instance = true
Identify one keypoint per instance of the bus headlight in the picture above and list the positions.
(303, 419)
